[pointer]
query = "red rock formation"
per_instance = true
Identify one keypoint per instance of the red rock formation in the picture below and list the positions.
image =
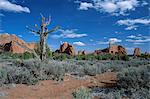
(115, 50)
(11, 43)
(137, 52)
(82, 52)
(66, 48)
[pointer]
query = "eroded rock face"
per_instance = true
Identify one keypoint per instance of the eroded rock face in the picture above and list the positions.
(82, 52)
(11, 43)
(115, 50)
(66, 48)
(137, 52)
(120, 50)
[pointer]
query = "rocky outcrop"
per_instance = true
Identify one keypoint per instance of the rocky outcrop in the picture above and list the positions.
(66, 48)
(115, 50)
(11, 43)
(120, 50)
(137, 52)
(82, 52)
(103, 51)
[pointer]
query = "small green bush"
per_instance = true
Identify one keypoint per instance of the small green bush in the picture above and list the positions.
(27, 55)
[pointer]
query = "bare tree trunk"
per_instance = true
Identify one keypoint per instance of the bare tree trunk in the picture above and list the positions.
(42, 47)
(43, 33)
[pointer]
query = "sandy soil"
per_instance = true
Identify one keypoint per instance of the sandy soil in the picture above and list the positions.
(53, 90)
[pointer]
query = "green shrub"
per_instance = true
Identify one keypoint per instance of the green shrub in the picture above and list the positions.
(146, 56)
(28, 55)
(125, 58)
(82, 93)
(61, 56)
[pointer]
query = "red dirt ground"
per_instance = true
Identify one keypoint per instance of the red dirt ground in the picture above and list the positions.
(52, 90)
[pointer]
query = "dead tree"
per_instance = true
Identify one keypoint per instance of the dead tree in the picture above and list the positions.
(43, 32)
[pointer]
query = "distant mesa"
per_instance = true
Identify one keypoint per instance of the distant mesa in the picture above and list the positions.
(67, 49)
(11, 43)
(112, 49)
(137, 52)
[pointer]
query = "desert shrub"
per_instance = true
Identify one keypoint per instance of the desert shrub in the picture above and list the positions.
(48, 50)
(19, 75)
(133, 80)
(61, 56)
(145, 56)
(125, 58)
(30, 72)
(80, 57)
(3, 76)
(132, 83)
(8, 55)
(98, 57)
(27, 55)
(134, 77)
(54, 69)
(93, 57)
(5, 55)
(82, 93)
(90, 70)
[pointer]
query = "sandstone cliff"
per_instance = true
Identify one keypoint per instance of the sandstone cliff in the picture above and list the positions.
(11, 43)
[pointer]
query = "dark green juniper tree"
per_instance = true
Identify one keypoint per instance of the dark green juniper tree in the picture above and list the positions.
(43, 32)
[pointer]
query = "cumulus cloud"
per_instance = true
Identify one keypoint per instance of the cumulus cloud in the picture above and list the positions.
(8, 6)
(85, 6)
(112, 40)
(114, 7)
(79, 43)
(115, 40)
(69, 34)
(133, 23)
(138, 39)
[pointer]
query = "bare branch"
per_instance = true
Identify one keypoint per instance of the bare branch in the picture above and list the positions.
(54, 29)
(37, 32)
(48, 20)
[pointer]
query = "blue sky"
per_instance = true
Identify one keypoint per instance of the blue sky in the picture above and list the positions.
(87, 24)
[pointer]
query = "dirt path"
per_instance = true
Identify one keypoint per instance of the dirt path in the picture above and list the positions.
(53, 90)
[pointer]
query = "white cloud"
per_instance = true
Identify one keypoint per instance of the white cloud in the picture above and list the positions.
(133, 23)
(112, 40)
(115, 40)
(103, 43)
(144, 3)
(109, 7)
(139, 39)
(69, 34)
(131, 36)
(114, 7)
(8, 6)
(85, 6)
(79, 43)
(133, 27)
